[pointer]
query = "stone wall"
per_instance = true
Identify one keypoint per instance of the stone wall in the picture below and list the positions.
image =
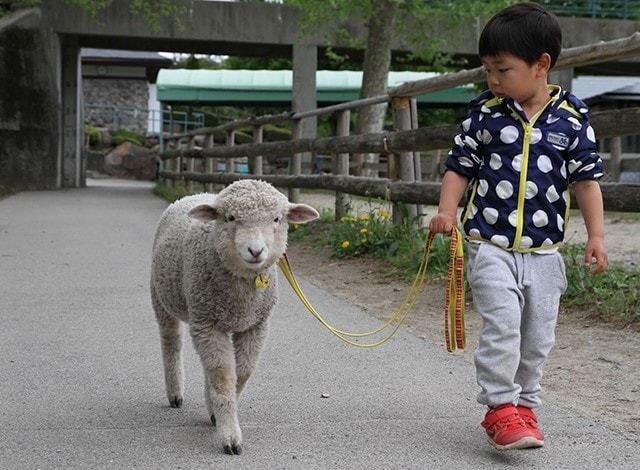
(119, 103)
(29, 117)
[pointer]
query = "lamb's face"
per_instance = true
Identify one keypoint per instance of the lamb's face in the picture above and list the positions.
(251, 224)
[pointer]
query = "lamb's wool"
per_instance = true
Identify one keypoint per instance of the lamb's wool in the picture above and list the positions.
(203, 273)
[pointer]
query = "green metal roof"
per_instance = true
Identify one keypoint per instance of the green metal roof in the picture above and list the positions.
(255, 87)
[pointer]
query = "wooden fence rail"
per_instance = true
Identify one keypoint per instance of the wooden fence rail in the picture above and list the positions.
(618, 197)
(606, 124)
(401, 145)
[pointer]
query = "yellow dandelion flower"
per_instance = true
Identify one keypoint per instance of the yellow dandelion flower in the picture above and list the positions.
(363, 230)
(384, 213)
(364, 217)
(345, 244)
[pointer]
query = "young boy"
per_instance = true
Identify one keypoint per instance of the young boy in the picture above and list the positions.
(521, 147)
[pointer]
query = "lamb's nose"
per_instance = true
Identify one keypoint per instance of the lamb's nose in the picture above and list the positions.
(256, 253)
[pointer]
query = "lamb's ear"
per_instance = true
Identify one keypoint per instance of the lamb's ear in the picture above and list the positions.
(205, 213)
(301, 214)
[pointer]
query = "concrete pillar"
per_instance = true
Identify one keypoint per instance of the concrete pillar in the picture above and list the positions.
(72, 117)
(305, 65)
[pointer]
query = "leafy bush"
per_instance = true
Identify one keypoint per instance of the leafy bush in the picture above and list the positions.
(122, 135)
(93, 135)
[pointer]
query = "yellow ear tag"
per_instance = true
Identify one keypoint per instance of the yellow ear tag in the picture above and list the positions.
(262, 281)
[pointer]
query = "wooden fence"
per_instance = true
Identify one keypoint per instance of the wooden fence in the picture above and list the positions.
(401, 147)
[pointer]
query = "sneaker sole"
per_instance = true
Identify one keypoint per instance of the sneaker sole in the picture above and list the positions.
(524, 443)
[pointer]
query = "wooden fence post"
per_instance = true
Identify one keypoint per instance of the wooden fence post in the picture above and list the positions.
(296, 162)
(342, 163)
(257, 139)
(191, 164)
(230, 163)
(417, 164)
(615, 159)
(402, 122)
(178, 160)
(212, 163)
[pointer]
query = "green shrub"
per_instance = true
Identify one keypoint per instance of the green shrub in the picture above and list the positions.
(122, 135)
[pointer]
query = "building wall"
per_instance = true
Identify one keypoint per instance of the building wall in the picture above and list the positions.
(117, 103)
(29, 119)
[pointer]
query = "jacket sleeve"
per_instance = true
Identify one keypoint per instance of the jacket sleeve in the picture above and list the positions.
(464, 157)
(583, 161)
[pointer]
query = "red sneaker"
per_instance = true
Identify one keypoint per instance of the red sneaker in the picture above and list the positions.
(506, 429)
(531, 421)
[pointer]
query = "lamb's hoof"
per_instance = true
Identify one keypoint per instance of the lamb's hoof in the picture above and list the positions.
(233, 449)
(213, 419)
(176, 402)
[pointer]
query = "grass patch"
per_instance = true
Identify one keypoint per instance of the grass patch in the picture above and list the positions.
(373, 234)
(613, 295)
(177, 190)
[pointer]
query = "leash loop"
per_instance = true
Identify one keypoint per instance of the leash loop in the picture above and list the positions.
(454, 308)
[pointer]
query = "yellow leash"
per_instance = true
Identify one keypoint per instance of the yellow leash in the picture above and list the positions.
(454, 308)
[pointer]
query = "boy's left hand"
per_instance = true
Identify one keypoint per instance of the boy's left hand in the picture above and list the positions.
(595, 249)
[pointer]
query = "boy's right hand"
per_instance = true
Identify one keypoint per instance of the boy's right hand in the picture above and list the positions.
(442, 223)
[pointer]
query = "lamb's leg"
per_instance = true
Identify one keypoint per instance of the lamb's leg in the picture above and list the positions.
(248, 345)
(216, 353)
(171, 346)
(207, 397)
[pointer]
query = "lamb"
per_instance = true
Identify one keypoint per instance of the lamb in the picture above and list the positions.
(213, 267)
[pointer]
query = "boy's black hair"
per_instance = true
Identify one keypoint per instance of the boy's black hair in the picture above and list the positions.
(525, 30)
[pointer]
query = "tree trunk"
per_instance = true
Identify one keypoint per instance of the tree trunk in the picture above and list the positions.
(377, 59)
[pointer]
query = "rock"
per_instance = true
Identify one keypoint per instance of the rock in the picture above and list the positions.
(132, 161)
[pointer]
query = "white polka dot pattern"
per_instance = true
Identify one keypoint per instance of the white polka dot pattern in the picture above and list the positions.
(544, 164)
(509, 134)
(573, 166)
(483, 187)
(532, 190)
(500, 240)
(495, 162)
(526, 242)
(540, 218)
(552, 194)
(490, 215)
(504, 189)
(489, 150)
(536, 136)
(516, 162)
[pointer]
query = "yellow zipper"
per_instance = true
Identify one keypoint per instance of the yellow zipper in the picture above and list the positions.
(524, 166)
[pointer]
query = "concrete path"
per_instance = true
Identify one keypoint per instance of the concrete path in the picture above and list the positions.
(81, 376)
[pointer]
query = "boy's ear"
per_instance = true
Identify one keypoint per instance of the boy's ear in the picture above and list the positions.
(544, 64)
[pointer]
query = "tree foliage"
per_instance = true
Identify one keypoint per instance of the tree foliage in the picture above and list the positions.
(152, 11)
(416, 21)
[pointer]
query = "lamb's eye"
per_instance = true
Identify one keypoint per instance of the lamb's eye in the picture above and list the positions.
(230, 218)
(276, 220)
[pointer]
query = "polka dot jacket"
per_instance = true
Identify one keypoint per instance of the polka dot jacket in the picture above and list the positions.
(520, 169)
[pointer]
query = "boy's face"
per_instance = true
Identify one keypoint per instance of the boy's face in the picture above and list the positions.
(508, 75)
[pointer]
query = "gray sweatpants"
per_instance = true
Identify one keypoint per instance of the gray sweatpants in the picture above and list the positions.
(517, 295)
